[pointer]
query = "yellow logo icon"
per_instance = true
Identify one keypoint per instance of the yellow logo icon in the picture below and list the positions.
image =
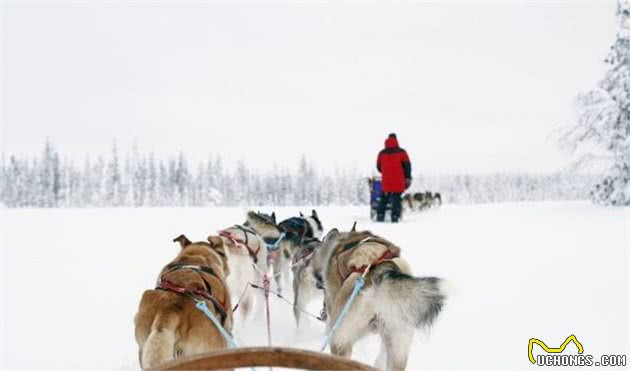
(560, 349)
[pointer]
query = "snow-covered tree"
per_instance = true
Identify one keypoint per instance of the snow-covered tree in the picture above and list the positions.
(164, 190)
(601, 136)
(112, 179)
(49, 178)
(241, 184)
(152, 181)
(182, 180)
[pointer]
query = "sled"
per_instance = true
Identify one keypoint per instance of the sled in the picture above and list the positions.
(229, 359)
(376, 192)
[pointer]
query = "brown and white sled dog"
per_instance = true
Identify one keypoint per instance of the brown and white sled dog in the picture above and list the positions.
(305, 287)
(392, 304)
(168, 325)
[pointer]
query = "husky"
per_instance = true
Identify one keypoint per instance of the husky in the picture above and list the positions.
(302, 227)
(298, 229)
(428, 199)
(392, 304)
(408, 202)
(242, 272)
(294, 231)
(248, 241)
(414, 201)
(266, 226)
(253, 260)
(304, 283)
(168, 326)
(422, 200)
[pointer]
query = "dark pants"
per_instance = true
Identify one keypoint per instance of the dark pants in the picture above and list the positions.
(382, 205)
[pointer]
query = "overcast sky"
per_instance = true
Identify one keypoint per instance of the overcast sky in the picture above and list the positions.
(474, 86)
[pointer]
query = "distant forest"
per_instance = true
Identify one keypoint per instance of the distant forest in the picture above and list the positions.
(138, 180)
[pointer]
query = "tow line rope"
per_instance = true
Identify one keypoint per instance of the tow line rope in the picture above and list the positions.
(267, 288)
(266, 279)
(358, 284)
(240, 298)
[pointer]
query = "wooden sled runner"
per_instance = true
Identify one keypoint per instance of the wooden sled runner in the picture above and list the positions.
(229, 359)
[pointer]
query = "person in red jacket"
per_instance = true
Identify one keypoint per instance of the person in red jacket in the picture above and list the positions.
(394, 165)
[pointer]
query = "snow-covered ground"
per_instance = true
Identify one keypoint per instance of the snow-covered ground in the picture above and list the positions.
(71, 280)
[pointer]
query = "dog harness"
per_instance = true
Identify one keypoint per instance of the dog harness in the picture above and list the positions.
(164, 284)
(387, 255)
(246, 231)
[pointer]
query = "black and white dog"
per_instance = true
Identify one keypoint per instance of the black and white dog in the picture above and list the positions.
(282, 239)
(299, 228)
(296, 230)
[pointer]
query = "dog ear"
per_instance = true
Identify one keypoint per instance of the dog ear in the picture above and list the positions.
(354, 227)
(331, 234)
(183, 240)
(215, 241)
(314, 214)
(273, 217)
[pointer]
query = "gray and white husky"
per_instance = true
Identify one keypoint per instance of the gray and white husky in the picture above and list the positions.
(392, 304)
(264, 224)
(305, 287)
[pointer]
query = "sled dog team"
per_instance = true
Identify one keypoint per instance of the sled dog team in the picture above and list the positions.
(421, 200)
(224, 270)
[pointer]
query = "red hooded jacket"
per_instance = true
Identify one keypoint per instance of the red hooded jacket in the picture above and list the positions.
(393, 163)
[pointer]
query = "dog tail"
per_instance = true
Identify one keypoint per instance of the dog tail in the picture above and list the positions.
(414, 300)
(160, 345)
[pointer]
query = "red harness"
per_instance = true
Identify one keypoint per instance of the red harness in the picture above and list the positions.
(164, 284)
(387, 255)
(170, 286)
(239, 242)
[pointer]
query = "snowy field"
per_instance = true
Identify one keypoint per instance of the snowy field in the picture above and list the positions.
(71, 280)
